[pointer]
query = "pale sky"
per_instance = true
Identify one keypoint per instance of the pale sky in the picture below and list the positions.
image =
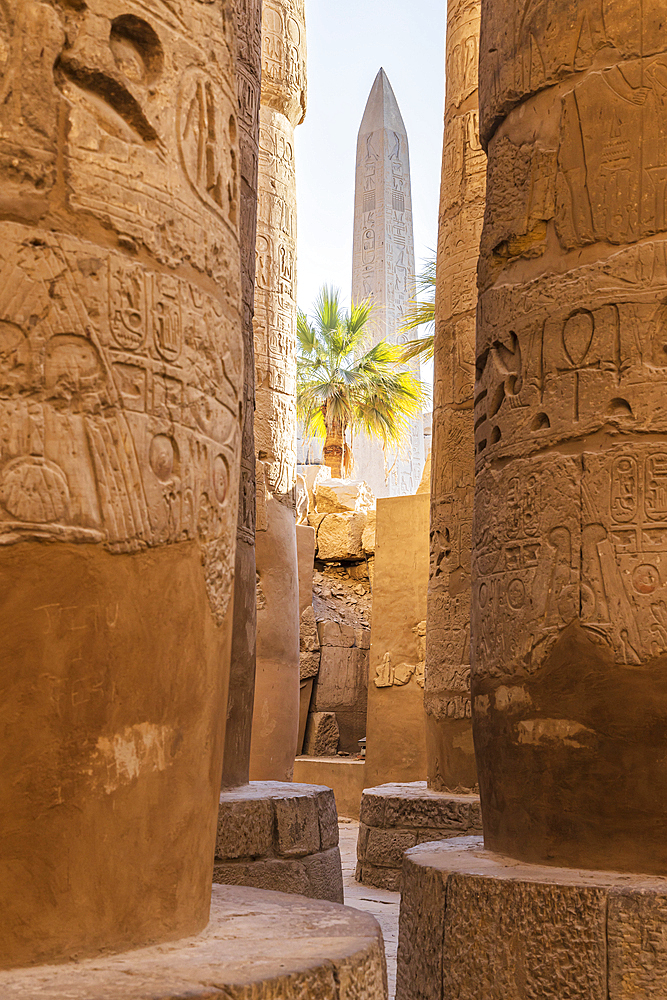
(348, 41)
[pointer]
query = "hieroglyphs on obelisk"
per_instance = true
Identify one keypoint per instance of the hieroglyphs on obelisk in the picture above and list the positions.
(383, 270)
(570, 533)
(283, 107)
(451, 759)
(242, 667)
(121, 377)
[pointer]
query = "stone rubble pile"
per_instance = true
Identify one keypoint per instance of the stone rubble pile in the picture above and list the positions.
(335, 631)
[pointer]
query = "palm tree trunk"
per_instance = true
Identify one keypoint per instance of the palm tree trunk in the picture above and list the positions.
(333, 451)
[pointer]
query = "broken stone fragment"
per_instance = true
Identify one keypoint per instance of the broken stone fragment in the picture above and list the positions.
(368, 535)
(341, 496)
(308, 635)
(309, 665)
(321, 735)
(339, 537)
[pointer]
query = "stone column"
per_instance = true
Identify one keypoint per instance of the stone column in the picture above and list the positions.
(450, 752)
(121, 368)
(570, 564)
(569, 570)
(236, 767)
(276, 712)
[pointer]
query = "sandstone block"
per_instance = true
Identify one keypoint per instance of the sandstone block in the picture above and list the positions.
(385, 848)
(297, 825)
(362, 638)
(368, 534)
(372, 808)
(328, 814)
(335, 634)
(362, 841)
(276, 874)
(342, 496)
(245, 826)
(378, 877)
(339, 537)
(309, 664)
(322, 735)
(324, 874)
(312, 476)
(308, 631)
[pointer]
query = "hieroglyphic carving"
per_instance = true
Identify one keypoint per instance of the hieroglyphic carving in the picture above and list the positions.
(447, 692)
(570, 536)
(121, 380)
(383, 266)
(283, 107)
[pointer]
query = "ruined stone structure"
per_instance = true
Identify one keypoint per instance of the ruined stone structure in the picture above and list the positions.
(568, 579)
(383, 268)
(451, 761)
(283, 105)
(236, 767)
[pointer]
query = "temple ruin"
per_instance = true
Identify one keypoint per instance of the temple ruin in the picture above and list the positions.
(184, 611)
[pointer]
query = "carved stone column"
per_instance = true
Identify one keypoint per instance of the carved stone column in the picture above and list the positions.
(236, 767)
(121, 366)
(570, 564)
(451, 760)
(569, 570)
(276, 715)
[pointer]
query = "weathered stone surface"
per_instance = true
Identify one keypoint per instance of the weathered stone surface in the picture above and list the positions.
(309, 635)
(121, 385)
(335, 634)
(268, 830)
(297, 825)
(342, 687)
(324, 874)
(236, 762)
(547, 932)
(260, 945)
(379, 877)
(384, 268)
(309, 665)
(276, 707)
(328, 817)
(343, 496)
(305, 695)
(245, 825)
(283, 105)
(570, 534)
(368, 534)
(450, 751)
(396, 745)
(322, 734)
(386, 847)
(399, 816)
(339, 536)
(313, 475)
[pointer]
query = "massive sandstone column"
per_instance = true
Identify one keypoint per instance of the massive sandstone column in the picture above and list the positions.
(240, 701)
(569, 571)
(121, 373)
(570, 548)
(276, 711)
(451, 760)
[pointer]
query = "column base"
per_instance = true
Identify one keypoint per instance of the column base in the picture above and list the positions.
(280, 836)
(257, 944)
(481, 926)
(394, 818)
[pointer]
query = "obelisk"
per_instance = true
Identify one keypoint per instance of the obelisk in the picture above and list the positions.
(383, 269)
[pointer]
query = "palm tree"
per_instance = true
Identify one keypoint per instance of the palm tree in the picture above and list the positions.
(344, 385)
(421, 314)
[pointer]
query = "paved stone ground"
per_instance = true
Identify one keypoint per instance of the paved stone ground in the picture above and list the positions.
(384, 905)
